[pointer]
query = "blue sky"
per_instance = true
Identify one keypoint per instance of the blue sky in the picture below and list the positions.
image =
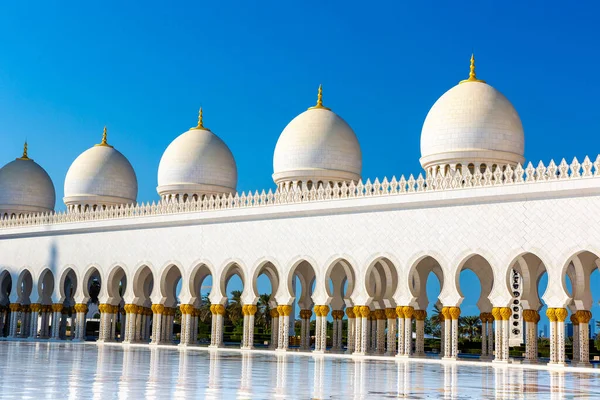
(143, 69)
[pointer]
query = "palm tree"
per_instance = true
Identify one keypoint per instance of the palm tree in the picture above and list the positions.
(205, 313)
(263, 313)
(469, 326)
(234, 307)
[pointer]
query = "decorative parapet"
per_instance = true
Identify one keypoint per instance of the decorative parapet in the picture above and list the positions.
(455, 180)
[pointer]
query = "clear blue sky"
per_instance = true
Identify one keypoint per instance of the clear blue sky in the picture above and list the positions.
(144, 68)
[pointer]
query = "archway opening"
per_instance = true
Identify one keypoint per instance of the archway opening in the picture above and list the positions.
(201, 283)
(265, 284)
(232, 287)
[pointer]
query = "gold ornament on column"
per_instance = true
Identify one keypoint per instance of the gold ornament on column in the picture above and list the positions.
(408, 311)
(220, 309)
(159, 308)
(505, 312)
(454, 312)
(420, 315)
(446, 313)
(561, 314)
(251, 310)
(390, 313)
(583, 316)
(550, 313)
(496, 313)
(274, 313)
(350, 312)
(57, 307)
(365, 311)
(574, 319)
(287, 310)
(36, 307)
(400, 312)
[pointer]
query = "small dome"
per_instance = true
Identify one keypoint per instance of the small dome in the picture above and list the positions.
(317, 145)
(472, 123)
(100, 176)
(197, 163)
(25, 188)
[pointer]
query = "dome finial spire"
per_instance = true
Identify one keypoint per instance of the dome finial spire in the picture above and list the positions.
(24, 157)
(104, 141)
(200, 121)
(319, 100)
(472, 75)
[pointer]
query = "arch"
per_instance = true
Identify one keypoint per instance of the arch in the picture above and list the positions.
(24, 286)
(484, 272)
(305, 272)
(200, 272)
(92, 277)
(530, 268)
(381, 282)
(232, 268)
(45, 286)
(418, 275)
(168, 284)
(5, 287)
(579, 268)
(116, 284)
(142, 285)
(67, 284)
(270, 269)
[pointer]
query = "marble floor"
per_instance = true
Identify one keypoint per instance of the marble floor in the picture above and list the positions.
(37, 370)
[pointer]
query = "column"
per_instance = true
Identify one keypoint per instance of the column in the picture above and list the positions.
(251, 310)
(274, 328)
(576, 349)
(25, 321)
(113, 310)
(584, 317)
(244, 343)
(373, 332)
(550, 313)
(56, 315)
(497, 333)
(390, 314)
(561, 316)
(381, 322)
(334, 339)
(454, 314)
(339, 322)
(447, 332)
(365, 312)
(483, 318)
(321, 312)
(408, 313)
(400, 314)
(130, 311)
(442, 333)
(14, 318)
(305, 329)
(157, 324)
(420, 316)
(351, 330)
(80, 326)
(284, 327)
(490, 335)
(186, 324)
(505, 312)
(35, 311)
(2, 319)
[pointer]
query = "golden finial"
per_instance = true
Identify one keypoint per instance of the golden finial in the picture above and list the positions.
(472, 76)
(24, 157)
(104, 141)
(200, 122)
(319, 100)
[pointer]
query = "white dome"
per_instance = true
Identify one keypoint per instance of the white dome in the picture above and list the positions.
(472, 123)
(100, 176)
(315, 146)
(25, 188)
(197, 162)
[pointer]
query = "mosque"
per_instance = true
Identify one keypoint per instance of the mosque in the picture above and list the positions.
(329, 242)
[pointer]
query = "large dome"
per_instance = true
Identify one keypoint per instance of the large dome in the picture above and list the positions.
(25, 188)
(317, 146)
(197, 163)
(100, 176)
(472, 123)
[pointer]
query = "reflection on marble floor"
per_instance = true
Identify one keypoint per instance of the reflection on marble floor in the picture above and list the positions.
(57, 370)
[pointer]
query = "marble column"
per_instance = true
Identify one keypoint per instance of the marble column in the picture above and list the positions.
(447, 332)
(339, 323)
(505, 312)
(584, 317)
(15, 309)
(420, 316)
(56, 317)
(218, 311)
(400, 314)
(561, 316)
(2, 319)
(362, 328)
(186, 324)
(274, 328)
(157, 323)
(351, 330)
(575, 338)
(25, 321)
(497, 333)
(455, 314)
(284, 327)
(380, 331)
(321, 312)
(251, 312)
(390, 314)
(244, 343)
(80, 326)
(408, 313)
(305, 329)
(113, 311)
(442, 333)
(35, 311)
(483, 318)
(130, 310)
(335, 332)
(531, 318)
(550, 313)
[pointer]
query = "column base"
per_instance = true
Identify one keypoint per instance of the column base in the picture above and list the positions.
(583, 365)
(318, 351)
(451, 358)
(531, 362)
(186, 345)
(278, 350)
(215, 346)
(486, 358)
(500, 361)
(402, 356)
(359, 353)
(419, 355)
(557, 364)
(247, 348)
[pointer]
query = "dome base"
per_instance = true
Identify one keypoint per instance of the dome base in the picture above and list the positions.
(81, 202)
(314, 175)
(470, 156)
(191, 189)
